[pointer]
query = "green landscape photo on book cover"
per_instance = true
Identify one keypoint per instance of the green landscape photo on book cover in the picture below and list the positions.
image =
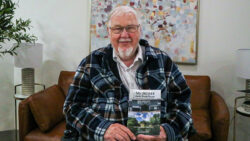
(144, 117)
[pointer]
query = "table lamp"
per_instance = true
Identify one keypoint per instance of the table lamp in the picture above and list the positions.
(29, 56)
(243, 71)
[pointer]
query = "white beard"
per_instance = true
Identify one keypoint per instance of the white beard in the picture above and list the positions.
(125, 54)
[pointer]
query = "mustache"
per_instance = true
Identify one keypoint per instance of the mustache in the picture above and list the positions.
(125, 40)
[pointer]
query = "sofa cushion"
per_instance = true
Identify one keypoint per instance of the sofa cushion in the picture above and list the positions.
(202, 124)
(200, 87)
(64, 81)
(55, 134)
(47, 106)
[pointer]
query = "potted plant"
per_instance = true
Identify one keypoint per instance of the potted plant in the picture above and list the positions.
(13, 30)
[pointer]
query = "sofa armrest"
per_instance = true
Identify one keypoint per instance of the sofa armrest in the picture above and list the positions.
(41, 110)
(26, 119)
(220, 117)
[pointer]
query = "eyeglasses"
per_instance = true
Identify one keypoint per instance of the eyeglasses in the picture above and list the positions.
(129, 29)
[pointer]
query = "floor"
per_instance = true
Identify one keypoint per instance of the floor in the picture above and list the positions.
(8, 135)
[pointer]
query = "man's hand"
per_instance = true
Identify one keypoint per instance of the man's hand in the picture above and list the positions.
(118, 132)
(161, 137)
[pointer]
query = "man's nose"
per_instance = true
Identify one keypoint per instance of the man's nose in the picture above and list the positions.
(124, 33)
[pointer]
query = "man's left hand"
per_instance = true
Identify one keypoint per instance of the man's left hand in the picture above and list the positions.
(161, 137)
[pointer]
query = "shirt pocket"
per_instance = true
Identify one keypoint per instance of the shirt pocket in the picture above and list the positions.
(103, 83)
(108, 106)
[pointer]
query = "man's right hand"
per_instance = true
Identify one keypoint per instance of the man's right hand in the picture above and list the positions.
(118, 132)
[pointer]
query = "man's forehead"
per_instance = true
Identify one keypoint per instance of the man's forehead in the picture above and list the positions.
(128, 18)
(123, 14)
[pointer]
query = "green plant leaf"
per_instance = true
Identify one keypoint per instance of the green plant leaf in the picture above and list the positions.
(13, 30)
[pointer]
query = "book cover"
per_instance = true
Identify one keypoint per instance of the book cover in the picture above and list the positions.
(144, 112)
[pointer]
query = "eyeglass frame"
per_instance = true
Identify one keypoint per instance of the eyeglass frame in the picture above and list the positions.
(124, 27)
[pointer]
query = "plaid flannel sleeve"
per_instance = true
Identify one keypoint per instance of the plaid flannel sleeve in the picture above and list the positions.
(179, 120)
(77, 108)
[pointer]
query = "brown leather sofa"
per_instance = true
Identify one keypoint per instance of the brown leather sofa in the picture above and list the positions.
(41, 117)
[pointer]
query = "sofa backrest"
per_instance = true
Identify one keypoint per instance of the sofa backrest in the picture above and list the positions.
(200, 87)
(65, 79)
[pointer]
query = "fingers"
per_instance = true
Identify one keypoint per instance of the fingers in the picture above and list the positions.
(161, 137)
(130, 134)
(163, 134)
(118, 132)
(141, 137)
(120, 137)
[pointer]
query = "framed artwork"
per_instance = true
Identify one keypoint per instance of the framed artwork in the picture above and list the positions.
(171, 25)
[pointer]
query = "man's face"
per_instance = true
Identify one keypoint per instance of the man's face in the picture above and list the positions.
(124, 43)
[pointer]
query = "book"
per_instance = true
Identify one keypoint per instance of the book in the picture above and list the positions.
(144, 112)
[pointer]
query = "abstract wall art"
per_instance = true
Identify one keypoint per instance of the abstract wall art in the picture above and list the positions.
(171, 25)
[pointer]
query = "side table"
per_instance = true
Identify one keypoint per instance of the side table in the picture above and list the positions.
(18, 97)
(21, 97)
(238, 110)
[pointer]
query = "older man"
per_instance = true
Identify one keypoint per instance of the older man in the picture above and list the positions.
(96, 107)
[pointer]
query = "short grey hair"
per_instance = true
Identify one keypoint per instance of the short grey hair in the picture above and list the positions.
(122, 9)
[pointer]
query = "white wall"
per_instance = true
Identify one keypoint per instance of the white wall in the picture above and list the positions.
(224, 28)
(6, 93)
(63, 27)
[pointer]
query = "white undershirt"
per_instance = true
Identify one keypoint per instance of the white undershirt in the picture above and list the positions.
(127, 74)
